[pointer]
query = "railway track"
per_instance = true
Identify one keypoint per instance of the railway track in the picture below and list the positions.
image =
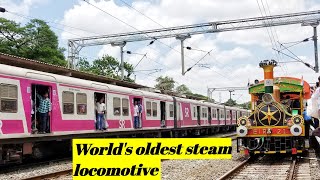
(271, 167)
(50, 175)
(28, 165)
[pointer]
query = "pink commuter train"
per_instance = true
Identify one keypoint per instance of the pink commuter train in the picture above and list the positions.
(73, 112)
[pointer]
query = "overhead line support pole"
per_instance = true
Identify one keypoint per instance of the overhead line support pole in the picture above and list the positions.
(121, 57)
(314, 24)
(315, 41)
(182, 38)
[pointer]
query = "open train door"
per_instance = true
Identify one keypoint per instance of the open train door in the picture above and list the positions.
(218, 116)
(209, 115)
(231, 118)
(163, 114)
(177, 118)
(37, 93)
(103, 97)
(198, 115)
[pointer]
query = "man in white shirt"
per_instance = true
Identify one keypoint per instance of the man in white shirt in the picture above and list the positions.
(100, 109)
(136, 115)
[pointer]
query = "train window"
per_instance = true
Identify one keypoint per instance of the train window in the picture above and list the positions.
(214, 113)
(116, 106)
(125, 107)
(233, 115)
(194, 112)
(148, 108)
(68, 102)
(204, 112)
(171, 110)
(238, 114)
(9, 98)
(81, 103)
(228, 114)
(154, 109)
(222, 114)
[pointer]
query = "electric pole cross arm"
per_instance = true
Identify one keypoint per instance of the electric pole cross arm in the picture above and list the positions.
(75, 45)
(230, 89)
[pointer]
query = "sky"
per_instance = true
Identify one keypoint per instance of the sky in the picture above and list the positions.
(235, 56)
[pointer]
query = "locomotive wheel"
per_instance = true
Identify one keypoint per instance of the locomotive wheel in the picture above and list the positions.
(37, 153)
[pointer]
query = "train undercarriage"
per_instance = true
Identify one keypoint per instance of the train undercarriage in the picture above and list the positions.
(271, 145)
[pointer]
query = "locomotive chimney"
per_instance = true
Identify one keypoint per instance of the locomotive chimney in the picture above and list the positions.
(268, 66)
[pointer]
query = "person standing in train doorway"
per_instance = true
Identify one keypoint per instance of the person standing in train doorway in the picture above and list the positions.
(101, 109)
(140, 108)
(44, 111)
(136, 115)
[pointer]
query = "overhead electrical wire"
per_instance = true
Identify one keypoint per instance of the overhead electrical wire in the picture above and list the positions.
(277, 38)
(135, 28)
(270, 34)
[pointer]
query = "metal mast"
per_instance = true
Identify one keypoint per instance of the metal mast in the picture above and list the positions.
(75, 45)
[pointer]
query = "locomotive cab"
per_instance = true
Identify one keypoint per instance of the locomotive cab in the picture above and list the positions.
(276, 123)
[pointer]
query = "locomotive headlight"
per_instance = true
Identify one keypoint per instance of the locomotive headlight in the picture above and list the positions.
(297, 119)
(242, 121)
(242, 131)
(267, 98)
(296, 130)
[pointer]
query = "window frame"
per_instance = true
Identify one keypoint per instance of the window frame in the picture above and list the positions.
(113, 106)
(86, 104)
(171, 105)
(150, 108)
(214, 113)
(63, 101)
(234, 115)
(154, 110)
(16, 99)
(222, 114)
(122, 107)
(194, 114)
(204, 112)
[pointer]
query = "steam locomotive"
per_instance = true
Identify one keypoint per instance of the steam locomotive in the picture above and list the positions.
(276, 123)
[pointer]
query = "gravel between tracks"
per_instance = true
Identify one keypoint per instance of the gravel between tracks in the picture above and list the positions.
(314, 166)
(34, 171)
(199, 169)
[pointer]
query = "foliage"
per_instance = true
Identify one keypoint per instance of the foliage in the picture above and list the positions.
(246, 105)
(201, 96)
(106, 66)
(183, 89)
(35, 40)
(230, 102)
(165, 83)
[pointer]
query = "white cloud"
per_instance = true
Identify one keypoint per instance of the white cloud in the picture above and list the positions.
(234, 58)
(22, 7)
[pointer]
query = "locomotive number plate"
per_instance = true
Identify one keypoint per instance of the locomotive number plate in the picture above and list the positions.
(279, 131)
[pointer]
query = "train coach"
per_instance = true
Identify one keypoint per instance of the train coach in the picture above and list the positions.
(73, 112)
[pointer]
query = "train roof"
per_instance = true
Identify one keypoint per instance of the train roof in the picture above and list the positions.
(21, 67)
(286, 84)
(60, 70)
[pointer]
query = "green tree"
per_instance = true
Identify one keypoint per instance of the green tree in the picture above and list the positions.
(183, 89)
(165, 83)
(106, 66)
(230, 102)
(200, 96)
(84, 65)
(246, 105)
(35, 40)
